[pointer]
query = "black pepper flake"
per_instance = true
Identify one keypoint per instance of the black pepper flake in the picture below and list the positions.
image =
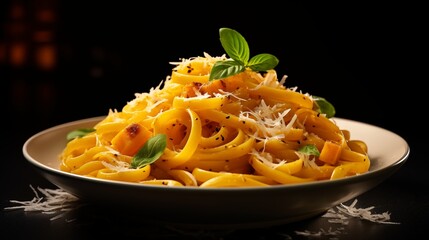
(196, 119)
(164, 183)
(217, 138)
(318, 114)
(171, 139)
(227, 117)
(223, 138)
(299, 142)
(244, 122)
(174, 124)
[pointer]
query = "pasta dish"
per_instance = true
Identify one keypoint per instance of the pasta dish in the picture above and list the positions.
(245, 129)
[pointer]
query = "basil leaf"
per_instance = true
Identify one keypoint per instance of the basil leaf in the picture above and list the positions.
(263, 62)
(310, 149)
(79, 133)
(150, 152)
(325, 107)
(224, 69)
(234, 45)
(237, 49)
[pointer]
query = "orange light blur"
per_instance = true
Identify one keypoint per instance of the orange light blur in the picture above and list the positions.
(46, 56)
(17, 54)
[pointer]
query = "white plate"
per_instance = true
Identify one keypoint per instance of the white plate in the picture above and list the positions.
(218, 207)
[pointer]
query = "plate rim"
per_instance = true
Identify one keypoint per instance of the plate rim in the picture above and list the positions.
(357, 178)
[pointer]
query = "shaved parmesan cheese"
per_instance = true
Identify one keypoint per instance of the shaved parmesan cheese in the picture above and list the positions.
(320, 233)
(269, 119)
(119, 167)
(228, 94)
(283, 80)
(341, 214)
(53, 201)
(207, 59)
(309, 160)
(268, 159)
(362, 213)
(365, 213)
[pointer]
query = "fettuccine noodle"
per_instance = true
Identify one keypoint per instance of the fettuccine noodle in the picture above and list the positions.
(244, 130)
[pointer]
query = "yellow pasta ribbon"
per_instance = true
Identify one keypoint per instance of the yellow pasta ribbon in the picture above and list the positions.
(202, 176)
(274, 174)
(171, 157)
(197, 103)
(129, 175)
(284, 95)
(232, 181)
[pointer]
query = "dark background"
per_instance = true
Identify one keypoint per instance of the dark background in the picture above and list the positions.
(364, 58)
(361, 57)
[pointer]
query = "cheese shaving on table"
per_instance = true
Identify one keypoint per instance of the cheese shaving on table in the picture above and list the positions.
(58, 200)
(53, 201)
(320, 233)
(365, 213)
(341, 216)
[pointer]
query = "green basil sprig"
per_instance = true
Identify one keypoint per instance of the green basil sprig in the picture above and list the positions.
(323, 106)
(237, 49)
(310, 149)
(150, 152)
(79, 133)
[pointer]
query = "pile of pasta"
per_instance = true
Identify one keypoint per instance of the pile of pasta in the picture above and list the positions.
(244, 130)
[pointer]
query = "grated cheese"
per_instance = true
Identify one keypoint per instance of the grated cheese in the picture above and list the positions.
(341, 216)
(269, 120)
(60, 202)
(228, 94)
(365, 213)
(53, 201)
(309, 160)
(268, 159)
(320, 233)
